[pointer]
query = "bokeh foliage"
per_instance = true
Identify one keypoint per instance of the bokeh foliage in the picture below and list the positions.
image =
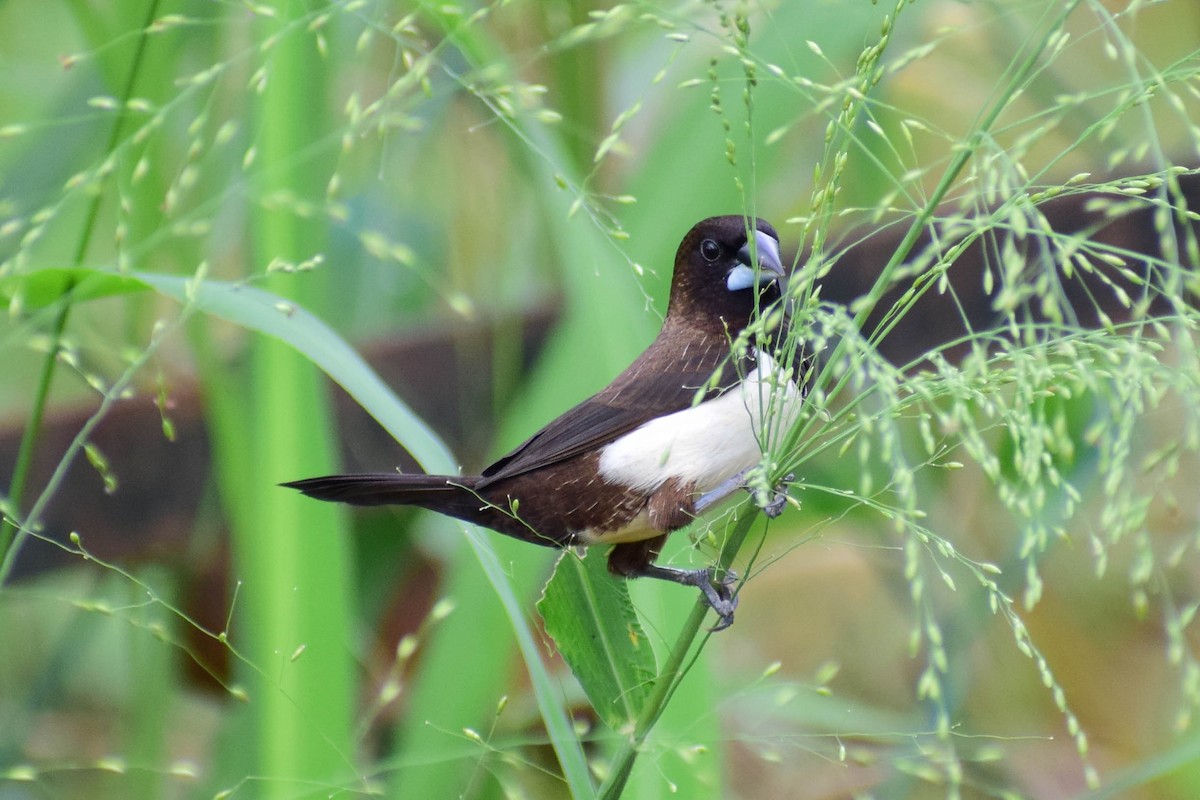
(988, 585)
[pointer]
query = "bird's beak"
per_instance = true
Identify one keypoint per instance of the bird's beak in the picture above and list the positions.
(743, 276)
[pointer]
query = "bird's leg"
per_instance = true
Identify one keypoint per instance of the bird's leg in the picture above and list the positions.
(636, 560)
(730, 485)
(718, 495)
(718, 593)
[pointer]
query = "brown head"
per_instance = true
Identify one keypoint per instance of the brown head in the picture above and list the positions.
(717, 282)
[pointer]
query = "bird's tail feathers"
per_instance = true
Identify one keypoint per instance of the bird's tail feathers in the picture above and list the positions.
(389, 488)
(454, 495)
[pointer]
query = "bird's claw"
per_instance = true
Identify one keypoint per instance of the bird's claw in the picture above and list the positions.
(775, 506)
(719, 594)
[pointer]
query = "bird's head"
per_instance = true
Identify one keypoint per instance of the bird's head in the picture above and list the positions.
(722, 274)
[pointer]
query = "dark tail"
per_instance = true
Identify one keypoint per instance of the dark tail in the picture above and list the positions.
(443, 493)
(453, 495)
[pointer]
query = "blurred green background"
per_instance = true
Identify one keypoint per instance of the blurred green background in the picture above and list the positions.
(484, 199)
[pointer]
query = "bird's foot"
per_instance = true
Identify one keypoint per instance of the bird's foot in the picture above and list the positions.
(717, 592)
(775, 506)
(721, 598)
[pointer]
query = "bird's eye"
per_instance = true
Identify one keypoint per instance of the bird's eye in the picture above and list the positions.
(710, 250)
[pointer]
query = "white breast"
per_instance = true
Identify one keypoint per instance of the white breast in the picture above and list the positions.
(708, 443)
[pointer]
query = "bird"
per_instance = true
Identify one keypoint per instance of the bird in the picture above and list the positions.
(673, 435)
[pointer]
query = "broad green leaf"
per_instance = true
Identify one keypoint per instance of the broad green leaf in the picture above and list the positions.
(268, 313)
(39, 288)
(591, 619)
(257, 310)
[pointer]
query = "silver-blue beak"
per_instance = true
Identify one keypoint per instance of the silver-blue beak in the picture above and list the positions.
(770, 268)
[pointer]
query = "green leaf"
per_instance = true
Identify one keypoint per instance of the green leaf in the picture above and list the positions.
(591, 619)
(256, 310)
(268, 313)
(42, 287)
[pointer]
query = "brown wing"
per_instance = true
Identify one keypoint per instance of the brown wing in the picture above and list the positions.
(663, 380)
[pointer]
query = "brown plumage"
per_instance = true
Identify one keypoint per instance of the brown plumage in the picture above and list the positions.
(559, 489)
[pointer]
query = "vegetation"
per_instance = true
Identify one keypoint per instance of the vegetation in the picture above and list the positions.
(987, 582)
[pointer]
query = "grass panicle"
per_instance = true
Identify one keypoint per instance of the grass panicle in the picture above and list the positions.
(206, 208)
